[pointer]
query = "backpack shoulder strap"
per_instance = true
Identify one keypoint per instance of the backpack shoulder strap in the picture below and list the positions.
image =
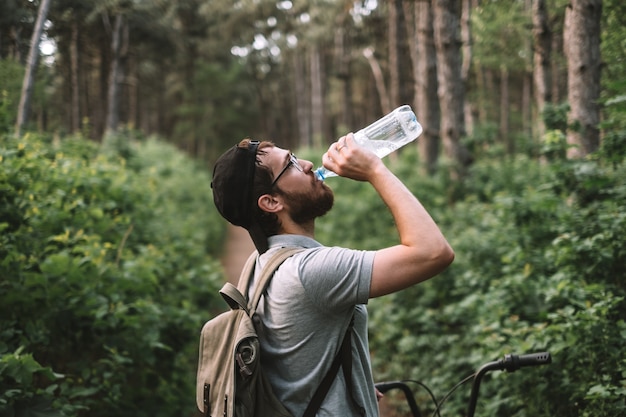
(246, 273)
(234, 296)
(343, 359)
(268, 272)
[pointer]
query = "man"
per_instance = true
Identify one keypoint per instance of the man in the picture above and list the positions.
(315, 294)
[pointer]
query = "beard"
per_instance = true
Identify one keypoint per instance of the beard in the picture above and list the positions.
(309, 205)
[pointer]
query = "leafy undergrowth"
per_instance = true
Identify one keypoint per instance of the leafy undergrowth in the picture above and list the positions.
(107, 274)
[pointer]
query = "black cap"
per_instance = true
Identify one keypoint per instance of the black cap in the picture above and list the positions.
(232, 184)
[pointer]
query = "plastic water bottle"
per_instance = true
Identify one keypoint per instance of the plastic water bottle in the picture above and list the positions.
(384, 135)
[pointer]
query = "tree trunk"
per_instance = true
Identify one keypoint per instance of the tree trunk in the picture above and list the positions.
(100, 98)
(15, 50)
(491, 97)
(394, 51)
(409, 8)
(555, 69)
(302, 99)
(581, 37)
(133, 94)
(527, 104)
(379, 79)
(426, 102)
(31, 67)
(466, 40)
(317, 97)
(481, 93)
(342, 64)
(451, 91)
(74, 74)
(542, 50)
(505, 137)
(116, 76)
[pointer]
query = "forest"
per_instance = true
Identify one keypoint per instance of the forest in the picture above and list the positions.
(112, 113)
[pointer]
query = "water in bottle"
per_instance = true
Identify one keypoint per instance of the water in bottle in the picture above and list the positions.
(385, 135)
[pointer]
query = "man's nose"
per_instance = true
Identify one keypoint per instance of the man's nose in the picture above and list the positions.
(306, 165)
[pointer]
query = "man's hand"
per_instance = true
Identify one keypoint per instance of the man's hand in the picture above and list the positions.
(379, 395)
(348, 159)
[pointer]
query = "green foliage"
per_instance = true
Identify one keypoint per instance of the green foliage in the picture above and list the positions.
(217, 107)
(499, 30)
(539, 267)
(554, 145)
(106, 277)
(555, 116)
(11, 74)
(613, 147)
(613, 46)
(18, 374)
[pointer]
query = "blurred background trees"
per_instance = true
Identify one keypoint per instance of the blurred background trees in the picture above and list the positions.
(204, 74)
(109, 241)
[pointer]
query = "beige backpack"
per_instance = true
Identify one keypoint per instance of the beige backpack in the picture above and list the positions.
(230, 381)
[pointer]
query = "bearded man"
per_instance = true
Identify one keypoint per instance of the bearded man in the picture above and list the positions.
(319, 294)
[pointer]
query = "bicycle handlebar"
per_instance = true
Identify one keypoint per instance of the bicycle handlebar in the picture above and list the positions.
(510, 363)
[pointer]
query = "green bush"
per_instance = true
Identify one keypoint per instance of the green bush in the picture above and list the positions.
(539, 267)
(107, 273)
(11, 75)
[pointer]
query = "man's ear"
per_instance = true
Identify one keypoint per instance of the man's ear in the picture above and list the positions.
(270, 203)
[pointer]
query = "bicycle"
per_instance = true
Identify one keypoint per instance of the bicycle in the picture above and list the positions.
(509, 363)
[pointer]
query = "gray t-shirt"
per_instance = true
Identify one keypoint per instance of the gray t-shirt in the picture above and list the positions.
(305, 313)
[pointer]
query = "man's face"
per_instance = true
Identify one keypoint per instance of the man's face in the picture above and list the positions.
(306, 198)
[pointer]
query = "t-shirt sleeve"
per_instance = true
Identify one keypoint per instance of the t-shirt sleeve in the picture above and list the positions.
(336, 278)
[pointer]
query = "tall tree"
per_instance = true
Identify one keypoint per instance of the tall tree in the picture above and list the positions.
(342, 69)
(505, 109)
(581, 38)
(302, 98)
(379, 79)
(558, 65)
(527, 80)
(466, 39)
(31, 68)
(74, 76)
(502, 54)
(393, 39)
(423, 56)
(541, 69)
(317, 95)
(119, 48)
(446, 26)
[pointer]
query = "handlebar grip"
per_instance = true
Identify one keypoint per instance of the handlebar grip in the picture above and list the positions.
(514, 362)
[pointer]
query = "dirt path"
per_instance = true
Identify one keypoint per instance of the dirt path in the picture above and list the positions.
(238, 247)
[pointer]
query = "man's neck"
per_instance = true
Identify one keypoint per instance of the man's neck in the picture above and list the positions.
(292, 228)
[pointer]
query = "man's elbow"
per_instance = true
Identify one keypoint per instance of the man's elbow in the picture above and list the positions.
(445, 255)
